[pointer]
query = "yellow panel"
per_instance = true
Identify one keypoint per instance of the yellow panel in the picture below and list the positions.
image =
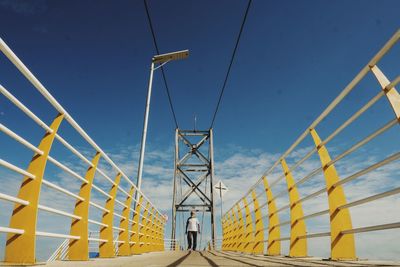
(21, 248)
(298, 247)
(258, 247)
(274, 232)
(124, 248)
(342, 246)
(240, 231)
(135, 227)
(106, 249)
(249, 230)
(79, 249)
(392, 95)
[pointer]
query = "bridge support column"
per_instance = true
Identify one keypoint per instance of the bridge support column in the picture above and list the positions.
(79, 249)
(20, 248)
(258, 247)
(124, 248)
(134, 235)
(274, 232)
(342, 246)
(249, 230)
(106, 249)
(298, 246)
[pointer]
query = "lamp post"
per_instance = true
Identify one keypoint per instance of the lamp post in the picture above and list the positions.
(162, 60)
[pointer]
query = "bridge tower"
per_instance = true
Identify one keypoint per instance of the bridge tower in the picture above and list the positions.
(193, 175)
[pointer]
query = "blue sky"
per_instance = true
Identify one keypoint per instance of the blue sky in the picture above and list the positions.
(293, 59)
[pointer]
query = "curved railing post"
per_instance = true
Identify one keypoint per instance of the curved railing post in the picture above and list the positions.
(162, 233)
(20, 248)
(233, 242)
(158, 232)
(249, 230)
(124, 248)
(274, 232)
(135, 227)
(79, 248)
(258, 247)
(298, 246)
(342, 246)
(150, 231)
(142, 231)
(240, 232)
(223, 227)
(106, 249)
(392, 95)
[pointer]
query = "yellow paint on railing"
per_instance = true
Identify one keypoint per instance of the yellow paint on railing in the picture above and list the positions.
(231, 231)
(79, 249)
(249, 229)
(392, 95)
(298, 246)
(135, 227)
(150, 232)
(20, 248)
(106, 249)
(142, 231)
(342, 246)
(124, 248)
(258, 247)
(240, 230)
(274, 233)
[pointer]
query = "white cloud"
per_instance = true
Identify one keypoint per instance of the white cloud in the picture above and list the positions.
(239, 169)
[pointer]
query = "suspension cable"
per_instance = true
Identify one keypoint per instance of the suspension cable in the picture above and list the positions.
(231, 62)
(162, 69)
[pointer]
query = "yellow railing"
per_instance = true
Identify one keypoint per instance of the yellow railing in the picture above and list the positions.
(238, 231)
(144, 232)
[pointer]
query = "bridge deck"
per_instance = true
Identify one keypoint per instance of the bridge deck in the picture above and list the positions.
(214, 258)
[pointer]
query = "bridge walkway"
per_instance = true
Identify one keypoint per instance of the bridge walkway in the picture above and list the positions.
(213, 259)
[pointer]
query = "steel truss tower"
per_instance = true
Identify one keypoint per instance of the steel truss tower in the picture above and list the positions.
(193, 175)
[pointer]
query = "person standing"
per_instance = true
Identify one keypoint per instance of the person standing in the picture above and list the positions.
(192, 228)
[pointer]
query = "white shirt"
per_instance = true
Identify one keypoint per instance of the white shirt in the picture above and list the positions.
(193, 224)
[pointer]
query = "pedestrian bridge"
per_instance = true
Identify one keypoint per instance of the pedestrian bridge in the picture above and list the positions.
(131, 229)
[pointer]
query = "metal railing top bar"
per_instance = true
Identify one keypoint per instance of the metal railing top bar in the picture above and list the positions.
(13, 199)
(342, 155)
(19, 139)
(59, 212)
(371, 198)
(39, 86)
(16, 169)
(11, 230)
(24, 109)
(65, 168)
(372, 228)
(60, 189)
(73, 150)
(46, 234)
(364, 71)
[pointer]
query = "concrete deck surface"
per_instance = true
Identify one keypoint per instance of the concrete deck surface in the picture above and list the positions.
(213, 258)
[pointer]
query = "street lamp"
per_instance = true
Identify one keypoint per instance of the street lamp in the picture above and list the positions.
(162, 60)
